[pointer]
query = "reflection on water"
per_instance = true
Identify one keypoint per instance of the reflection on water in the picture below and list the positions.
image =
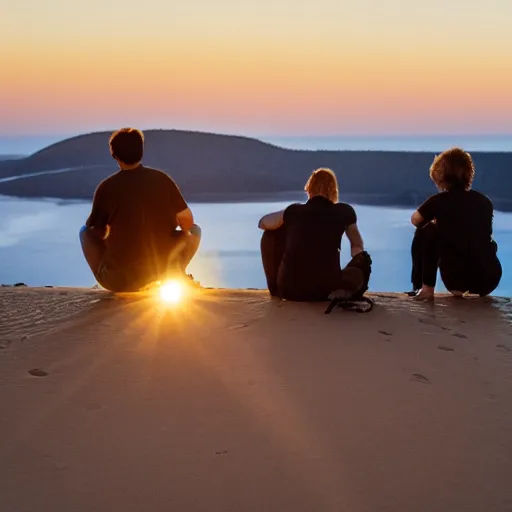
(39, 244)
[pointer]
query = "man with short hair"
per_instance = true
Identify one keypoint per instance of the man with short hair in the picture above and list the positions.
(131, 238)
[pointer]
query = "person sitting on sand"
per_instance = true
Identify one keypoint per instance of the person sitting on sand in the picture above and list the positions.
(300, 246)
(454, 233)
(130, 239)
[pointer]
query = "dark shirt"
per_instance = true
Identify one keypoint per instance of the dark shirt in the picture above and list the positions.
(464, 220)
(313, 243)
(140, 206)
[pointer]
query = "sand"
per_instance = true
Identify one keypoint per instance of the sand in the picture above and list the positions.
(235, 402)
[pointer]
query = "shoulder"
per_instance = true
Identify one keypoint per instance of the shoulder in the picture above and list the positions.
(157, 173)
(160, 177)
(344, 207)
(294, 207)
(481, 198)
(440, 196)
(481, 203)
(435, 199)
(107, 184)
(292, 210)
(346, 211)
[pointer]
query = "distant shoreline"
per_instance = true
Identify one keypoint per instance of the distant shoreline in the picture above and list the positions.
(20, 146)
(212, 168)
(376, 200)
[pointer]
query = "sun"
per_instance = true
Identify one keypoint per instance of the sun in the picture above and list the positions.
(171, 291)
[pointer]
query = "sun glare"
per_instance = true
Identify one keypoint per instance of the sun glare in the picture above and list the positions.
(171, 291)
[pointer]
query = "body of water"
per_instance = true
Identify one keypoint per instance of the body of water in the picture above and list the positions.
(25, 145)
(39, 244)
(437, 143)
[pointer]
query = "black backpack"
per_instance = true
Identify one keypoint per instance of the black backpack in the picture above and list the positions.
(358, 302)
(363, 262)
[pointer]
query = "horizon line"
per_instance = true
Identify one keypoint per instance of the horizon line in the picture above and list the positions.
(273, 135)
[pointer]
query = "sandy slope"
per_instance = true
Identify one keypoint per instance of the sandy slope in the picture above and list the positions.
(238, 403)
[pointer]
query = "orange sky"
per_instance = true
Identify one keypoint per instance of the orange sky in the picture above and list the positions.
(279, 67)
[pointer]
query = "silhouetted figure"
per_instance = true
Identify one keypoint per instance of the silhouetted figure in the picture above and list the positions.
(131, 238)
(454, 233)
(301, 245)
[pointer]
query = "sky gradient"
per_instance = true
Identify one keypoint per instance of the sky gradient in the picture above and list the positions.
(271, 67)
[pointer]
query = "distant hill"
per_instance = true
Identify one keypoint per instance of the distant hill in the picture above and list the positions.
(208, 166)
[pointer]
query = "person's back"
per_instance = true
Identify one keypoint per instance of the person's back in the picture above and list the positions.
(143, 205)
(130, 238)
(301, 246)
(454, 233)
(464, 219)
(313, 242)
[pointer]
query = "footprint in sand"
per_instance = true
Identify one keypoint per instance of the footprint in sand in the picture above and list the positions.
(238, 326)
(387, 334)
(446, 349)
(417, 377)
(37, 372)
(503, 348)
(429, 322)
(459, 335)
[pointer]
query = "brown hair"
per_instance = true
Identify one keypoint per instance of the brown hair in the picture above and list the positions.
(453, 168)
(323, 182)
(127, 145)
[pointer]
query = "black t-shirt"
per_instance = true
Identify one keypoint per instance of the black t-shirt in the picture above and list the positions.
(313, 242)
(140, 206)
(464, 220)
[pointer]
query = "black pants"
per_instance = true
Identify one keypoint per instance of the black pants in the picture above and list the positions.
(273, 243)
(354, 278)
(457, 274)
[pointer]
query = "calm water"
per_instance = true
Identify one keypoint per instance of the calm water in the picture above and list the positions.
(396, 142)
(27, 144)
(39, 244)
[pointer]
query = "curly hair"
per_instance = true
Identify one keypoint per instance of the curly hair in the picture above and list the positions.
(453, 168)
(323, 182)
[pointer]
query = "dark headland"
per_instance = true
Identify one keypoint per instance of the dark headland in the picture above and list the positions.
(210, 167)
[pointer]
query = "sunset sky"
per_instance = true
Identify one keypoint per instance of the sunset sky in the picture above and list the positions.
(266, 67)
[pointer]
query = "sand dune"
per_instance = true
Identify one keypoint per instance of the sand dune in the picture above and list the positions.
(235, 402)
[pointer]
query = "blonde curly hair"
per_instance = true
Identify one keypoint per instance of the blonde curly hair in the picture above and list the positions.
(453, 168)
(323, 182)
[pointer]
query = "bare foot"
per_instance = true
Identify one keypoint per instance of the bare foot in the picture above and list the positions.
(457, 294)
(425, 294)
